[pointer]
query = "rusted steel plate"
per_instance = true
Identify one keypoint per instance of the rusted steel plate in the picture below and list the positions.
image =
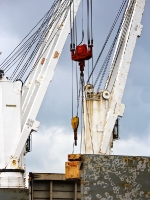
(46, 176)
(15, 194)
(115, 178)
(53, 186)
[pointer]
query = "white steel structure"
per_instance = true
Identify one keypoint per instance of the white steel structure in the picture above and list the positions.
(102, 109)
(19, 106)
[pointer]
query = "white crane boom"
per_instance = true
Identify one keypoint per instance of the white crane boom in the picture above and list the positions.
(102, 109)
(134, 31)
(12, 159)
(36, 86)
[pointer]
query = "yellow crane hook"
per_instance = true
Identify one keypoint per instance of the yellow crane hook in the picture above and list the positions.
(75, 124)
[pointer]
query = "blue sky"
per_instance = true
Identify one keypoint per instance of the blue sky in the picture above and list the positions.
(54, 140)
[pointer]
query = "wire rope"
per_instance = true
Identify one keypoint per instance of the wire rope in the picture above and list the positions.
(126, 23)
(77, 87)
(111, 50)
(72, 88)
(88, 30)
(55, 2)
(108, 36)
(45, 44)
(21, 53)
(41, 55)
(82, 108)
(91, 22)
(4, 62)
(56, 18)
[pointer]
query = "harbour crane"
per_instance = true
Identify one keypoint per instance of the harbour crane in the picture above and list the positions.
(23, 99)
(103, 108)
(24, 102)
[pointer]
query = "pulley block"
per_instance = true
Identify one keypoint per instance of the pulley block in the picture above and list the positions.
(82, 53)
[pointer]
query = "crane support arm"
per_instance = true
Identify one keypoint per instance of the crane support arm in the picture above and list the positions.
(131, 30)
(38, 81)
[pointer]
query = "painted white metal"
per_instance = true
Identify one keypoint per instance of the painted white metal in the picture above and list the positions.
(15, 123)
(10, 129)
(37, 83)
(134, 31)
(12, 180)
(10, 118)
(95, 110)
(101, 140)
(100, 112)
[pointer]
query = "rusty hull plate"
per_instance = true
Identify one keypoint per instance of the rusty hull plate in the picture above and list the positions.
(115, 178)
(14, 194)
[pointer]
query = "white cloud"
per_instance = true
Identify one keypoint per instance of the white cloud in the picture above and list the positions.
(133, 146)
(8, 42)
(52, 145)
(50, 149)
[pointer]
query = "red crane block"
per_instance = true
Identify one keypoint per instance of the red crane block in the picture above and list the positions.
(82, 53)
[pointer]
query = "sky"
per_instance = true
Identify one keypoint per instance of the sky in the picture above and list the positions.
(54, 139)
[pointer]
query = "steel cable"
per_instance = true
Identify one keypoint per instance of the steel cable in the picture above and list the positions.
(5, 62)
(34, 39)
(34, 52)
(107, 59)
(88, 30)
(22, 51)
(107, 38)
(91, 23)
(41, 39)
(44, 49)
(127, 21)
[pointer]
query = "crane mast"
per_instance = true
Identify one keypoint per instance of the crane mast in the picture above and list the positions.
(102, 109)
(24, 102)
